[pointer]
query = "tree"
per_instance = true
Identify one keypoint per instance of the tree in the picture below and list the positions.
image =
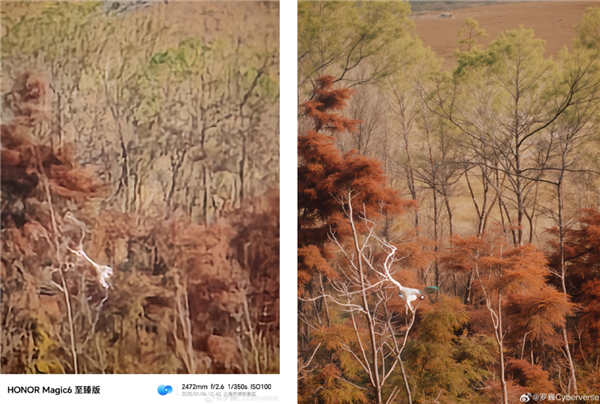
(321, 175)
(366, 106)
(514, 275)
(172, 125)
(337, 37)
(405, 107)
(339, 195)
(569, 133)
(578, 257)
(531, 376)
(564, 144)
(191, 113)
(469, 33)
(439, 170)
(507, 104)
(369, 288)
(446, 359)
(588, 30)
(518, 133)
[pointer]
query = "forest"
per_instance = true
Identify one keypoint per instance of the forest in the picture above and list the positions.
(448, 220)
(140, 187)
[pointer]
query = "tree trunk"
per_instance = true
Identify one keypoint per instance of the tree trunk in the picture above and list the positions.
(242, 171)
(374, 374)
(435, 205)
(207, 195)
(500, 340)
(563, 269)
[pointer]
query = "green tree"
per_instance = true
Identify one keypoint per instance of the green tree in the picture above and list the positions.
(336, 37)
(469, 33)
(504, 105)
(448, 364)
(588, 30)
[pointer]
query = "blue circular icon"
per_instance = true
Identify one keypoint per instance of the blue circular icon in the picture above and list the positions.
(164, 390)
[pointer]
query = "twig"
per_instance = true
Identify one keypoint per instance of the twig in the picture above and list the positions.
(302, 367)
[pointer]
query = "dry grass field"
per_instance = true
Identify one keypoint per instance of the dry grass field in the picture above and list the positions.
(552, 21)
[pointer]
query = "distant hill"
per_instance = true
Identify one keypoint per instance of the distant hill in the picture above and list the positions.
(552, 21)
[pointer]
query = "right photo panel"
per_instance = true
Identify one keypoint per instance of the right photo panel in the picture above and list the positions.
(448, 202)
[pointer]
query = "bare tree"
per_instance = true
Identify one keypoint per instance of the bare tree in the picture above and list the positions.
(367, 106)
(368, 293)
(403, 110)
(509, 107)
(569, 133)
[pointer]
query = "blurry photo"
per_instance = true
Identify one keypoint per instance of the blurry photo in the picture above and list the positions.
(140, 187)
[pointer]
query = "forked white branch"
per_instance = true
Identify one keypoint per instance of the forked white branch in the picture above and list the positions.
(103, 272)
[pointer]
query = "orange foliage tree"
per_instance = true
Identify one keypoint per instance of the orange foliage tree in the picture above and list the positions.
(582, 282)
(344, 260)
(512, 281)
(323, 176)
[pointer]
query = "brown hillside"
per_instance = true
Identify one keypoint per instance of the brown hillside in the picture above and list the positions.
(552, 21)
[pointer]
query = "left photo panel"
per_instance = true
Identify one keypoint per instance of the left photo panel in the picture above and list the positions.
(140, 187)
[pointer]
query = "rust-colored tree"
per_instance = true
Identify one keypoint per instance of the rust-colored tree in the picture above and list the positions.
(343, 260)
(580, 258)
(512, 282)
(323, 176)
